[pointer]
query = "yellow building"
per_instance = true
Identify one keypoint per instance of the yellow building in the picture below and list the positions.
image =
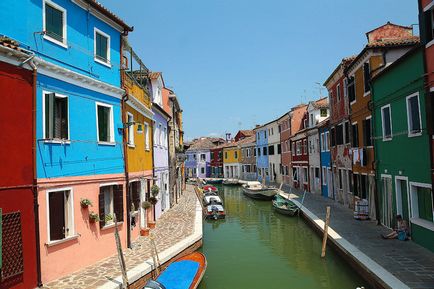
(231, 161)
(137, 118)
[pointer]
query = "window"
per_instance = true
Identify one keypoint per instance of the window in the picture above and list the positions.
(102, 47)
(421, 201)
(226, 155)
(332, 137)
(323, 112)
(347, 132)
(202, 157)
(54, 23)
(165, 137)
(386, 120)
(236, 155)
(298, 149)
(110, 200)
(305, 175)
(254, 152)
(428, 25)
(160, 130)
(322, 142)
(271, 150)
(310, 146)
(327, 145)
(147, 142)
(367, 77)
(311, 120)
(130, 123)
(355, 131)
(340, 179)
(60, 214)
(351, 89)
(413, 115)
(324, 176)
(367, 136)
(259, 152)
(293, 148)
(135, 189)
(345, 87)
(56, 116)
(104, 120)
(265, 134)
(258, 136)
(202, 170)
(339, 134)
(264, 150)
(295, 174)
(279, 149)
(305, 146)
(338, 92)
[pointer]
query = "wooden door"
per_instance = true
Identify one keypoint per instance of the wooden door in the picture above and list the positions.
(57, 215)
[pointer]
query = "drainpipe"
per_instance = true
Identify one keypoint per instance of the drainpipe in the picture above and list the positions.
(35, 183)
(125, 148)
(153, 167)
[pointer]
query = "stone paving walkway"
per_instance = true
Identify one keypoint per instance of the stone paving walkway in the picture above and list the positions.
(407, 261)
(173, 226)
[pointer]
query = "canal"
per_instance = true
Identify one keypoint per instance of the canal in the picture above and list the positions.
(255, 248)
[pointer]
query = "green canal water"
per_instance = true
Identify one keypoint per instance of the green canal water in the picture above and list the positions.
(257, 248)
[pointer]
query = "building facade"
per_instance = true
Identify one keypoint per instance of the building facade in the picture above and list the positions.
(261, 146)
(317, 111)
(385, 44)
(231, 161)
(337, 85)
(198, 163)
(326, 161)
(404, 183)
(17, 173)
(274, 151)
(300, 157)
(248, 158)
(217, 162)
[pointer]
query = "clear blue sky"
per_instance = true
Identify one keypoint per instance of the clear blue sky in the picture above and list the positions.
(237, 63)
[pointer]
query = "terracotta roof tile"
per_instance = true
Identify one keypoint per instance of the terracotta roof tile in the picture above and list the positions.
(98, 6)
(394, 42)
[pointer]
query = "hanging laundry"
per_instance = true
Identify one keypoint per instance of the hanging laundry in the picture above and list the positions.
(361, 157)
(355, 156)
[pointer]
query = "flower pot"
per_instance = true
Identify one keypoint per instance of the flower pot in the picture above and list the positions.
(144, 232)
(151, 225)
(84, 206)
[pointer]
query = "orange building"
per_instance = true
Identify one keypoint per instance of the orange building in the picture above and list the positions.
(385, 45)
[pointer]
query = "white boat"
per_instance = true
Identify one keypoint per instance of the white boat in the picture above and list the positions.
(208, 199)
(256, 190)
(231, 182)
(215, 212)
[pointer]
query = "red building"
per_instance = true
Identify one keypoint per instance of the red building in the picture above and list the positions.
(300, 156)
(217, 162)
(243, 134)
(426, 25)
(19, 261)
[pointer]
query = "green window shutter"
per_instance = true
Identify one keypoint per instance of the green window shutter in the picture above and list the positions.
(425, 204)
(49, 115)
(101, 46)
(54, 22)
(103, 123)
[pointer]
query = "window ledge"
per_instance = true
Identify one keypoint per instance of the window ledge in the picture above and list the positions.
(423, 223)
(55, 41)
(131, 145)
(366, 93)
(387, 139)
(429, 44)
(67, 239)
(102, 62)
(57, 141)
(112, 225)
(104, 143)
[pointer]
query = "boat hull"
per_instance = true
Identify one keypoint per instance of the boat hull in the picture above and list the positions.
(290, 212)
(214, 181)
(260, 194)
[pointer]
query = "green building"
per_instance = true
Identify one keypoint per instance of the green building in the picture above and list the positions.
(402, 150)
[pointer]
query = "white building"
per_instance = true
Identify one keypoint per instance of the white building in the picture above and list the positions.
(274, 151)
(317, 111)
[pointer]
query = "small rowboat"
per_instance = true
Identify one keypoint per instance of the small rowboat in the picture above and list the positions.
(231, 182)
(284, 206)
(209, 188)
(215, 211)
(208, 199)
(258, 191)
(184, 273)
(213, 181)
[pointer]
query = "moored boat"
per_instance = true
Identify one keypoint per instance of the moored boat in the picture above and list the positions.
(209, 188)
(214, 181)
(184, 273)
(208, 199)
(284, 206)
(258, 191)
(215, 211)
(231, 182)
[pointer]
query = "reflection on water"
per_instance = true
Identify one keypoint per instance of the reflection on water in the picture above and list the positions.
(256, 248)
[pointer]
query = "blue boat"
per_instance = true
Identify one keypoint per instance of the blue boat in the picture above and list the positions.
(184, 273)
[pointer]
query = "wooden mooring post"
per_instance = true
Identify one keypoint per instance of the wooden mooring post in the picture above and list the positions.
(326, 228)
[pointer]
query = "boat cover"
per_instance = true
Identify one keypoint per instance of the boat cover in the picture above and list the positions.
(179, 275)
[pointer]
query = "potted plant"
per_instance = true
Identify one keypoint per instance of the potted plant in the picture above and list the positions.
(155, 190)
(108, 218)
(146, 205)
(144, 232)
(85, 203)
(93, 217)
(153, 200)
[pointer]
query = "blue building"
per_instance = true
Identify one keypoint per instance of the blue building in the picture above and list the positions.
(76, 48)
(262, 161)
(326, 166)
